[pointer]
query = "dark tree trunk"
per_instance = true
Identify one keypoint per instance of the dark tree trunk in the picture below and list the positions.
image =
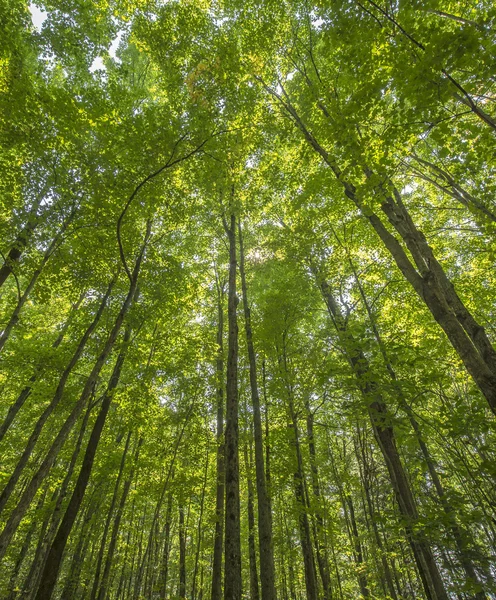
(216, 592)
(102, 594)
(252, 553)
(110, 514)
(182, 555)
(232, 575)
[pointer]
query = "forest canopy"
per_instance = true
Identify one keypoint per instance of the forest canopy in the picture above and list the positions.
(247, 297)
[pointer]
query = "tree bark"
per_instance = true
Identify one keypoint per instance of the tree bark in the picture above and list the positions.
(182, 555)
(102, 593)
(232, 575)
(216, 590)
(254, 591)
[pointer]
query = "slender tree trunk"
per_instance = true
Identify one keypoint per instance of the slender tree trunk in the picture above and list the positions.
(102, 593)
(266, 544)
(351, 527)
(267, 437)
(320, 546)
(254, 592)
(216, 591)
(362, 580)
(232, 575)
(200, 525)
(299, 487)
(182, 555)
(110, 514)
(164, 573)
(158, 506)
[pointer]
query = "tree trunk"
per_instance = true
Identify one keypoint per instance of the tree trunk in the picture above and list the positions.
(164, 571)
(254, 593)
(362, 579)
(200, 525)
(182, 555)
(232, 575)
(299, 487)
(102, 594)
(110, 514)
(320, 545)
(216, 592)
(430, 282)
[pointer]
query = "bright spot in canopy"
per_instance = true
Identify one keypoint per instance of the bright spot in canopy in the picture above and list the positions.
(38, 16)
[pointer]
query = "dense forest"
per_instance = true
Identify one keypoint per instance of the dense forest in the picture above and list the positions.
(247, 272)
